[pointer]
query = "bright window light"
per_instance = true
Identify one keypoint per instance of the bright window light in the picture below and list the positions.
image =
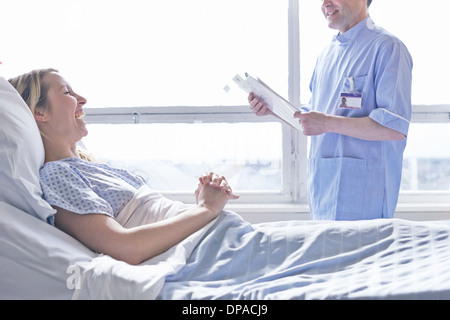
(426, 165)
(171, 156)
(119, 53)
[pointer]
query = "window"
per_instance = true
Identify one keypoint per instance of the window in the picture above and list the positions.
(425, 177)
(174, 147)
(153, 72)
(149, 52)
(171, 156)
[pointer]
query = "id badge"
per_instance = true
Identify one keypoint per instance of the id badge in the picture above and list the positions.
(351, 100)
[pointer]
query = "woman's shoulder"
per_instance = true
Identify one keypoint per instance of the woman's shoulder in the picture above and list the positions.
(62, 168)
(52, 165)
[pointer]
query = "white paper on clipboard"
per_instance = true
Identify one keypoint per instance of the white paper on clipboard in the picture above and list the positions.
(280, 106)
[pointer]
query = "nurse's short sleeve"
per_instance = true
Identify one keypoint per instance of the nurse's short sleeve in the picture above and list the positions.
(393, 87)
(64, 186)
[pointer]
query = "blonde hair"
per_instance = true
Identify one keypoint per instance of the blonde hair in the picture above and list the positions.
(31, 87)
(34, 92)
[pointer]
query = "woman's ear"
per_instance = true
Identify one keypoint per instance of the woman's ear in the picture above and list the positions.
(40, 114)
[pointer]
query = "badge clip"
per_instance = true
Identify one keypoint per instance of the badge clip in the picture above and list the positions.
(352, 99)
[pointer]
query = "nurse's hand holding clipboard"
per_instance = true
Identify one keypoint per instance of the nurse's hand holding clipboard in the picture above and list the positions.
(313, 122)
(258, 106)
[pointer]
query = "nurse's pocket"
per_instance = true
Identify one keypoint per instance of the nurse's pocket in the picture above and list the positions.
(340, 183)
(359, 84)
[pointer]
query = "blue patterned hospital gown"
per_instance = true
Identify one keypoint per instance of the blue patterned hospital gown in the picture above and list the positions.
(85, 187)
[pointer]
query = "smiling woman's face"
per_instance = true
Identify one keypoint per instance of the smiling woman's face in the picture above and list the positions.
(343, 15)
(64, 110)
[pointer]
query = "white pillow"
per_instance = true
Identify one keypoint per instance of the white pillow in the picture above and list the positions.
(21, 155)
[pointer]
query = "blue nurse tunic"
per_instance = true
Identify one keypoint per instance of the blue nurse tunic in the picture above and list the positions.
(349, 178)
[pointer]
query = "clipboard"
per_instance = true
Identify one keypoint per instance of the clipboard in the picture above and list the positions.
(279, 106)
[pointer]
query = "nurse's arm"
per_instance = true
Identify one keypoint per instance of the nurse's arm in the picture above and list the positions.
(363, 128)
(315, 123)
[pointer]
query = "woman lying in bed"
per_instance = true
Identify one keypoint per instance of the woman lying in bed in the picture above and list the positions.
(88, 196)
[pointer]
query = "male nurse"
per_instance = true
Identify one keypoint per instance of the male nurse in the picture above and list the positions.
(359, 116)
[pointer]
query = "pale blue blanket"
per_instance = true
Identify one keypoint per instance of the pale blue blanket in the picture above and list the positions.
(316, 260)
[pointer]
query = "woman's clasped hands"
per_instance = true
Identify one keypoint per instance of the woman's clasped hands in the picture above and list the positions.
(213, 192)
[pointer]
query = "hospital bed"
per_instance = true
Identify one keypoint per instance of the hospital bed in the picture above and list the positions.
(228, 259)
